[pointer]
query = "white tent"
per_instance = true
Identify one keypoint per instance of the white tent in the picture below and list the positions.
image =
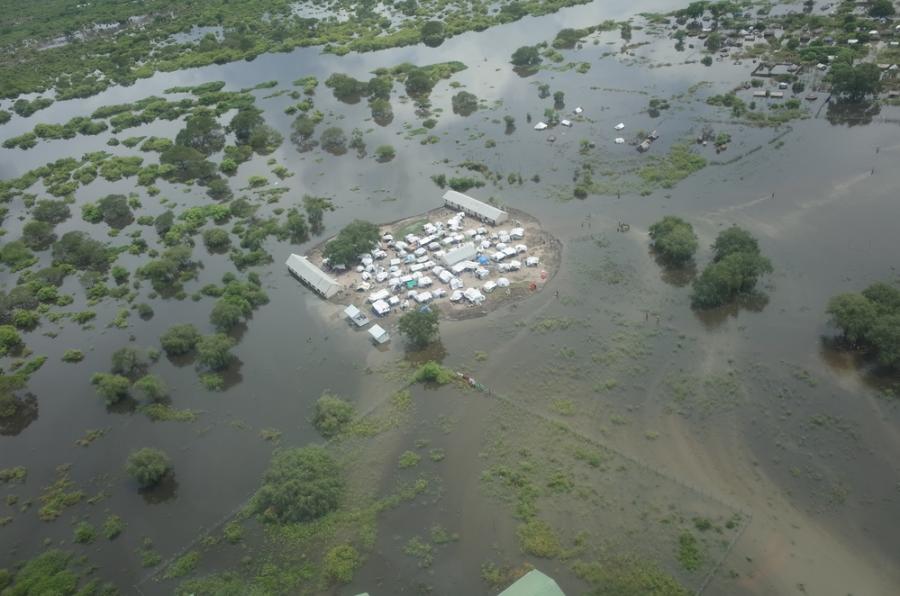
(424, 297)
(379, 295)
(381, 308)
(502, 282)
(356, 315)
(489, 287)
(532, 261)
(456, 296)
(619, 126)
(540, 126)
(379, 335)
(619, 141)
(473, 296)
(566, 122)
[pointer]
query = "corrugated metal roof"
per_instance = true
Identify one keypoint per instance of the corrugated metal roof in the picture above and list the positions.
(317, 279)
(474, 205)
(463, 252)
(533, 583)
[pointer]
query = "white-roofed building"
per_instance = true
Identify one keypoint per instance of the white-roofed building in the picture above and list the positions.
(320, 282)
(357, 316)
(474, 207)
(379, 335)
(463, 252)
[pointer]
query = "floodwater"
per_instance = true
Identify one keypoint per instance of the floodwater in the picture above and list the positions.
(748, 407)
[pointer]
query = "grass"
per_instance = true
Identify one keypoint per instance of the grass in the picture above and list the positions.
(113, 525)
(183, 565)
(689, 553)
(90, 436)
(667, 171)
(84, 533)
(537, 538)
(59, 496)
(409, 459)
(166, 413)
(421, 550)
(17, 474)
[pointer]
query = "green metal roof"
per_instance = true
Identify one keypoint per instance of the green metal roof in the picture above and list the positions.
(533, 583)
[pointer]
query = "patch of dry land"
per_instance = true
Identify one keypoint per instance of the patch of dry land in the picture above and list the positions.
(424, 260)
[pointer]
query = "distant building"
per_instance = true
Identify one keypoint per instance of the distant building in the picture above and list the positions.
(379, 335)
(320, 282)
(474, 207)
(533, 583)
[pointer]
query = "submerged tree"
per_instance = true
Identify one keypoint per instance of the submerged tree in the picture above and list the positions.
(674, 239)
(419, 326)
(148, 466)
(737, 266)
(202, 132)
(301, 484)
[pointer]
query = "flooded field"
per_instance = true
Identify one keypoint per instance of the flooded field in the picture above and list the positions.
(623, 443)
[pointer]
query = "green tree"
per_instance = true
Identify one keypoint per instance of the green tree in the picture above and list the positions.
(50, 211)
(526, 56)
(725, 279)
(296, 226)
(433, 33)
(334, 140)
(301, 484)
(734, 240)
(881, 8)
(380, 87)
(419, 326)
(10, 340)
(885, 336)
(674, 239)
(216, 240)
(384, 153)
(115, 211)
(180, 339)
(225, 315)
(855, 82)
(187, 164)
(112, 388)
(128, 361)
(854, 314)
(152, 388)
(148, 466)
(714, 42)
(202, 132)
(81, 251)
(464, 103)
(214, 351)
(346, 88)
(332, 414)
(559, 100)
(38, 235)
(418, 83)
(356, 238)
(244, 123)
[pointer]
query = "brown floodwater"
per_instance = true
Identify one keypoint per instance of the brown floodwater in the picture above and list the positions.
(794, 432)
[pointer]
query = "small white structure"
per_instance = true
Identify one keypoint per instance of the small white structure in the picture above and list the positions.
(424, 282)
(381, 308)
(619, 141)
(456, 296)
(578, 110)
(517, 233)
(473, 296)
(502, 282)
(619, 126)
(357, 316)
(566, 122)
(532, 261)
(379, 335)
(540, 126)
(489, 287)
(321, 283)
(379, 295)
(423, 297)
(474, 207)
(456, 283)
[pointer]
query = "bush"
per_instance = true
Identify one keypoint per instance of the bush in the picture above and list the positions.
(537, 538)
(870, 319)
(213, 351)
(432, 33)
(432, 372)
(112, 388)
(148, 466)
(10, 340)
(73, 356)
(332, 415)
(84, 533)
(334, 140)
(356, 238)
(127, 361)
(38, 235)
(339, 564)
(152, 388)
(180, 339)
(50, 211)
(385, 153)
(674, 239)
(464, 103)
(113, 526)
(526, 56)
(216, 240)
(225, 315)
(301, 484)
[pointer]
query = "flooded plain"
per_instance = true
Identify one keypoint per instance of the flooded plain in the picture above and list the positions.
(630, 420)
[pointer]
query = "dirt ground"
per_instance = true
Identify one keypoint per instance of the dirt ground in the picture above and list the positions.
(539, 242)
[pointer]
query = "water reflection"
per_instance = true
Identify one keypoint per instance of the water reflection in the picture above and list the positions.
(714, 317)
(26, 413)
(859, 364)
(434, 351)
(163, 491)
(127, 405)
(677, 275)
(851, 114)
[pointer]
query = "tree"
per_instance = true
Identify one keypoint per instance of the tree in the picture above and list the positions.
(385, 153)
(301, 484)
(244, 123)
(734, 240)
(148, 466)
(334, 140)
(854, 314)
(112, 388)
(50, 211)
(382, 111)
(180, 339)
(213, 351)
(128, 361)
(855, 83)
(38, 235)
(296, 227)
(885, 298)
(724, 279)
(315, 211)
(714, 42)
(10, 339)
(187, 164)
(526, 56)
(885, 336)
(216, 240)
(202, 132)
(332, 415)
(115, 211)
(433, 33)
(559, 100)
(82, 252)
(346, 88)
(464, 103)
(418, 82)
(674, 239)
(152, 388)
(356, 238)
(881, 8)
(303, 128)
(225, 315)
(380, 87)
(419, 326)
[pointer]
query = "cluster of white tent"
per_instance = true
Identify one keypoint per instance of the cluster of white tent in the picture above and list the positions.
(568, 123)
(446, 260)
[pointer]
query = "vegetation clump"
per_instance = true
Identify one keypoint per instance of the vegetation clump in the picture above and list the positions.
(432, 372)
(148, 466)
(674, 239)
(355, 239)
(870, 319)
(419, 326)
(332, 415)
(301, 484)
(180, 339)
(339, 564)
(736, 267)
(537, 538)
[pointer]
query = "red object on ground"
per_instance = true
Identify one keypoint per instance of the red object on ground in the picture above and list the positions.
(533, 286)
(543, 274)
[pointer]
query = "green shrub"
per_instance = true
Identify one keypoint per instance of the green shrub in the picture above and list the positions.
(84, 533)
(332, 414)
(339, 564)
(148, 466)
(113, 526)
(432, 372)
(73, 356)
(301, 484)
(180, 339)
(537, 538)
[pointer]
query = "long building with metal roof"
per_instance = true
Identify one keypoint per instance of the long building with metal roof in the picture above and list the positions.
(320, 282)
(474, 207)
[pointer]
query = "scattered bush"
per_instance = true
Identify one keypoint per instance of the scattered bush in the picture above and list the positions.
(432, 372)
(112, 388)
(148, 466)
(180, 339)
(339, 564)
